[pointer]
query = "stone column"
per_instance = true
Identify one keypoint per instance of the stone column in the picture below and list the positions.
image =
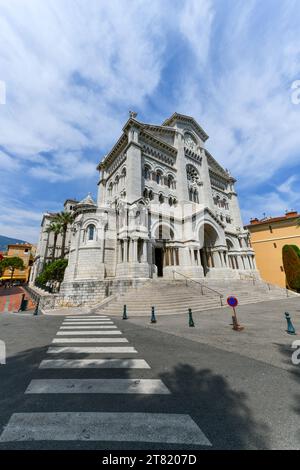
(167, 257)
(249, 261)
(145, 251)
(134, 250)
(182, 187)
(134, 165)
(119, 251)
(177, 257)
(125, 251)
(216, 259)
(199, 257)
(239, 262)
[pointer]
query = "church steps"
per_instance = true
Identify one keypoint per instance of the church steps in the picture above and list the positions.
(175, 297)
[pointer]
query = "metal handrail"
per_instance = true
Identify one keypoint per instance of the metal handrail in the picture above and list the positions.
(201, 284)
(247, 276)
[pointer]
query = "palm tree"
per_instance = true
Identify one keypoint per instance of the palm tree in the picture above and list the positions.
(64, 219)
(56, 229)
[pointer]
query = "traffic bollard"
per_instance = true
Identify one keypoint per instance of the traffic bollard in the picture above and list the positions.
(36, 310)
(290, 327)
(191, 321)
(125, 316)
(153, 317)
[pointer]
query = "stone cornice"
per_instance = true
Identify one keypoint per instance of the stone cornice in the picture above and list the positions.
(186, 119)
(117, 148)
(192, 155)
(161, 129)
(156, 142)
(216, 168)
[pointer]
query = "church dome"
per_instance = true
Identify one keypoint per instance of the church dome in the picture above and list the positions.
(87, 201)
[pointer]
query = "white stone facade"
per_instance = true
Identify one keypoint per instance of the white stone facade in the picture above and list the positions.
(45, 247)
(164, 204)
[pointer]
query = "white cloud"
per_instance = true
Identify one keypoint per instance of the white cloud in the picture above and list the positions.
(65, 166)
(195, 25)
(20, 223)
(244, 100)
(67, 64)
(73, 68)
(8, 163)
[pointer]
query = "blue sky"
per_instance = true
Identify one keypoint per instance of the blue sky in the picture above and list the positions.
(73, 69)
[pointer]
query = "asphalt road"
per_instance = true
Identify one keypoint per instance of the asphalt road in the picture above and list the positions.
(204, 397)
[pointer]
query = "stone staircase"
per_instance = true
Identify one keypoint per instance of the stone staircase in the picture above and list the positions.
(176, 296)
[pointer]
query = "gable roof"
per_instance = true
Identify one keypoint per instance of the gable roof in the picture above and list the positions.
(188, 119)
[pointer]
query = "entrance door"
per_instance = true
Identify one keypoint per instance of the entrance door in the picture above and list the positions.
(203, 261)
(159, 258)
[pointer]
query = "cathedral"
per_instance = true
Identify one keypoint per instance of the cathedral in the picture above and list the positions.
(165, 209)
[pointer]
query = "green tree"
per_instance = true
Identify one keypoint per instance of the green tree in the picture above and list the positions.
(12, 263)
(56, 229)
(64, 219)
(52, 274)
(291, 263)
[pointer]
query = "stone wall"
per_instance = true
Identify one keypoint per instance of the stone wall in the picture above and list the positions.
(85, 293)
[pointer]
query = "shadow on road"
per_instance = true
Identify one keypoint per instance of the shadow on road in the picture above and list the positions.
(221, 412)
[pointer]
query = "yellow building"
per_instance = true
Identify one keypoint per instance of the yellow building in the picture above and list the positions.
(25, 251)
(268, 236)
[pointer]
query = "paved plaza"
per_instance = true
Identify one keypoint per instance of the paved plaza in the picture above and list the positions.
(94, 382)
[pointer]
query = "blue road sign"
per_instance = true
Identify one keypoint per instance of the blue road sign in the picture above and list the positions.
(232, 301)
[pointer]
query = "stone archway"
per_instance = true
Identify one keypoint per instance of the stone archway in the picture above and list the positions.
(209, 238)
(162, 235)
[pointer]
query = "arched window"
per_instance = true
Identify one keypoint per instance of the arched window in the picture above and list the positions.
(145, 194)
(117, 183)
(170, 181)
(147, 172)
(161, 199)
(91, 232)
(151, 196)
(170, 201)
(158, 177)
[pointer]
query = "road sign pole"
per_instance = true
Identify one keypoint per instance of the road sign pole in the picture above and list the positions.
(233, 302)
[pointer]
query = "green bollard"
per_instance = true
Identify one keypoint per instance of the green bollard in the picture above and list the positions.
(153, 318)
(125, 316)
(191, 321)
(36, 310)
(22, 304)
(290, 327)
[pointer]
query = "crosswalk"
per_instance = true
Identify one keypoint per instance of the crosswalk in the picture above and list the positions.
(92, 335)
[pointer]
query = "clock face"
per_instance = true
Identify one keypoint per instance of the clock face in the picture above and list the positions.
(189, 141)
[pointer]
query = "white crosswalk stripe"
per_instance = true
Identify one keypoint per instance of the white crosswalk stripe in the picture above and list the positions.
(119, 427)
(90, 340)
(98, 426)
(88, 332)
(143, 386)
(89, 327)
(91, 349)
(93, 317)
(80, 320)
(87, 323)
(94, 364)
